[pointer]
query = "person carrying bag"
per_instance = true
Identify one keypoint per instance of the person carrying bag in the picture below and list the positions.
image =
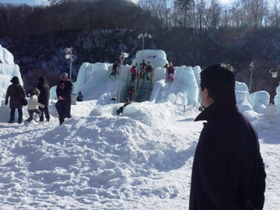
(16, 94)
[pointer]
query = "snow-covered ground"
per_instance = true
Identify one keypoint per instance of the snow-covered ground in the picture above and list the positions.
(98, 160)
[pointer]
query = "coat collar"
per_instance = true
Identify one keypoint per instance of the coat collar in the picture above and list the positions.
(224, 104)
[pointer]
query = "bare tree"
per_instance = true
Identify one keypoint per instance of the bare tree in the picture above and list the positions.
(160, 9)
(275, 14)
(183, 7)
(254, 11)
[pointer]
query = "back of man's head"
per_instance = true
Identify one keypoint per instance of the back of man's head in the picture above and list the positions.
(219, 79)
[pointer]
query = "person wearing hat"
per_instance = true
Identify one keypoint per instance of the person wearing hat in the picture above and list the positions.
(33, 105)
(63, 93)
(44, 97)
(149, 71)
(14, 93)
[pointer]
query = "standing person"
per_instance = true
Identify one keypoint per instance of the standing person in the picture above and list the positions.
(170, 68)
(149, 71)
(228, 170)
(133, 73)
(33, 104)
(63, 93)
(138, 71)
(170, 71)
(44, 98)
(143, 66)
(14, 92)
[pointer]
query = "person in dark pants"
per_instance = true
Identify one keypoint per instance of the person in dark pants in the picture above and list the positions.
(149, 71)
(143, 66)
(43, 98)
(14, 92)
(228, 171)
(63, 92)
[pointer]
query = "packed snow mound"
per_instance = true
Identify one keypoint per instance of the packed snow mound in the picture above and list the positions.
(92, 79)
(143, 112)
(67, 164)
(277, 99)
(259, 101)
(6, 56)
(183, 90)
(156, 57)
(8, 69)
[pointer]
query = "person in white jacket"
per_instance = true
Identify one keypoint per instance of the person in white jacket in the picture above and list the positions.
(33, 104)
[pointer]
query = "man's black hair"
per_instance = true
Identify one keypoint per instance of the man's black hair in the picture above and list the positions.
(219, 79)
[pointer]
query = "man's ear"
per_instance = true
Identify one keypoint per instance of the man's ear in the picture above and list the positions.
(206, 92)
(207, 96)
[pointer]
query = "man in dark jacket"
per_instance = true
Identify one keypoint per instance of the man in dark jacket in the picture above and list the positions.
(44, 97)
(63, 92)
(228, 171)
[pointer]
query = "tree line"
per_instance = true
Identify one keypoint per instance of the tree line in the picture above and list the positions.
(61, 15)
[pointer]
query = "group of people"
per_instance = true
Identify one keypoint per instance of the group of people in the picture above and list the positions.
(142, 72)
(38, 102)
(39, 99)
(146, 70)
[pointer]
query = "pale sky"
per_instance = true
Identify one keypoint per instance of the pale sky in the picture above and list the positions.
(44, 2)
(38, 2)
(226, 1)
(29, 2)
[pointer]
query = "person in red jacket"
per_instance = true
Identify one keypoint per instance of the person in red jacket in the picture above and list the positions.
(133, 73)
(228, 171)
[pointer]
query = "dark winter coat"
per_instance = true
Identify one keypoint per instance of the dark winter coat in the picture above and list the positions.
(14, 92)
(44, 95)
(228, 169)
(170, 70)
(66, 91)
(149, 68)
